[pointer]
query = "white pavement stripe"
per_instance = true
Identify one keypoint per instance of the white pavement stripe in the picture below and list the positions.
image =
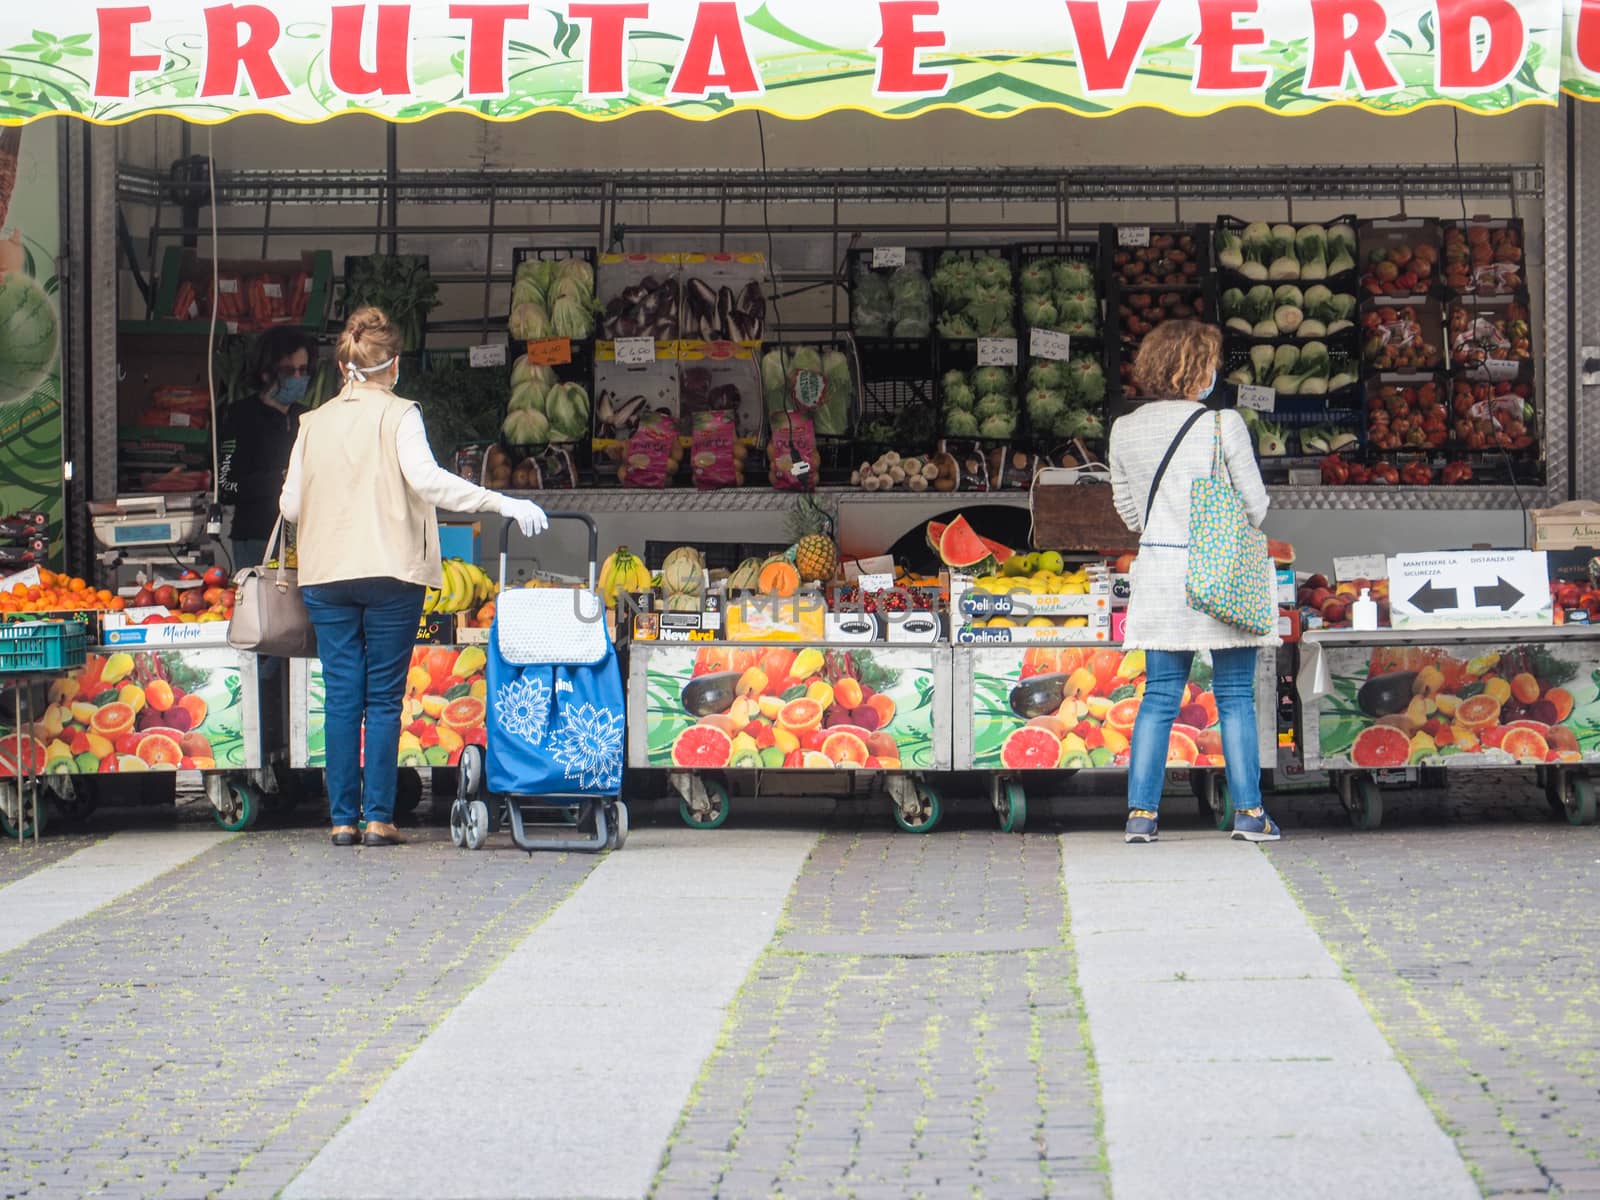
(563, 1074)
(1234, 1059)
(92, 877)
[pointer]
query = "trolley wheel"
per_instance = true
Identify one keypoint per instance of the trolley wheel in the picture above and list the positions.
(929, 811)
(458, 823)
(407, 792)
(617, 818)
(1012, 808)
(1578, 801)
(721, 806)
(476, 830)
(240, 807)
(1366, 804)
(11, 800)
(1215, 800)
(469, 772)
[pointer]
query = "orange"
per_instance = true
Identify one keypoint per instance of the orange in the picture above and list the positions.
(1525, 745)
(463, 715)
(1122, 716)
(884, 707)
(158, 694)
(160, 750)
(1561, 699)
(196, 708)
(802, 716)
(845, 749)
(1480, 712)
(112, 719)
(1525, 688)
(847, 692)
(47, 578)
(1181, 748)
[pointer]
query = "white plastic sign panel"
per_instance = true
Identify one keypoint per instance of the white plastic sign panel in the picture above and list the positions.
(492, 355)
(1365, 566)
(1133, 237)
(634, 352)
(1470, 588)
(1254, 396)
(887, 257)
(997, 352)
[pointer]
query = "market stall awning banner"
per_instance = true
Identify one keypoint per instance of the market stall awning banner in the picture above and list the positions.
(308, 60)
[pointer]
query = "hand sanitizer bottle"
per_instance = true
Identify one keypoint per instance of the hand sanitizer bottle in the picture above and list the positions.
(1364, 612)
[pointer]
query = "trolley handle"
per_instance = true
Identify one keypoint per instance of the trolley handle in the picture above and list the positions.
(594, 543)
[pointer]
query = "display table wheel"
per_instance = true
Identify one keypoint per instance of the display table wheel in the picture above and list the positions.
(1362, 799)
(1571, 796)
(702, 803)
(10, 817)
(918, 808)
(1213, 798)
(1010, 806)
(237, 805)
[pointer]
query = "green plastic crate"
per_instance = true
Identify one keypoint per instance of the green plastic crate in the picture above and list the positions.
(42, 646)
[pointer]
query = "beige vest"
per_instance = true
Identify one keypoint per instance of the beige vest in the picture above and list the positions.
(358, 517)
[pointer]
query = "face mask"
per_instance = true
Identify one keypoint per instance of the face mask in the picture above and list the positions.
(293, 390)
(361, 374)
(1210, 387)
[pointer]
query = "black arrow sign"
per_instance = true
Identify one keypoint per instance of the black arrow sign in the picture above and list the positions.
(1502, 595)
(1430, 599)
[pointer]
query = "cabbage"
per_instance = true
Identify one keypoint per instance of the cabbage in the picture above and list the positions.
(804, 358)
(989, 309)
(773, 378)
(956, 325)
(960, 395)
(1074, 276)
(1037, 279)
(832, 418)
(522, 371)
(989, 381)
(1047, 374)
(529, 396)
(955, 279)
(992, 272)
(1039, 312)
(998, 427)
(576, 273)
(529, 322)
(960, 424)
(569, 319)
(537, 273)
(1044, 406)
(525, 427)
(568, 406)
(1078, 306)
(1086, 379)
(993, 406)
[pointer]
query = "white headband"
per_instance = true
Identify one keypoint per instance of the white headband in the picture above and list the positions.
(359, 374)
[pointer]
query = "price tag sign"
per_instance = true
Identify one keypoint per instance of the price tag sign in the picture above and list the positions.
(549, 352)
(1364, 566)
(1502, 368)
(888, 257)
(1133, 237)
(636, 352)
(808, 389)
(1050, 345)
(492, 355)
(1254, 396)
(873, 584)
(179, 420)
(997, 352)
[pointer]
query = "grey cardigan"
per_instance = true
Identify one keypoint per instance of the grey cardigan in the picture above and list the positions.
(1159, 617)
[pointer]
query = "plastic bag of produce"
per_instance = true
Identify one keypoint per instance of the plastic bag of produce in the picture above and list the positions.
(793, 463)
(714, 452)
(653, 456)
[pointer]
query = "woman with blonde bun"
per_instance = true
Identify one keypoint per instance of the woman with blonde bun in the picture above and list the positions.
(363, 491)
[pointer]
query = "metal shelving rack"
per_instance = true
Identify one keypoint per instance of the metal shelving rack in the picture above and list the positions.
(811, 219)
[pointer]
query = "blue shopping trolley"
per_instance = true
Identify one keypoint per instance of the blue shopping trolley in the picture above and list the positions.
(554, 725)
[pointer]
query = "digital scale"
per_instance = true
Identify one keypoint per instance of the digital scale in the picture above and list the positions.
(149, 531)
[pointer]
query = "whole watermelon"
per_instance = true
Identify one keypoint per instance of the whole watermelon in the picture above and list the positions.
(27, 336)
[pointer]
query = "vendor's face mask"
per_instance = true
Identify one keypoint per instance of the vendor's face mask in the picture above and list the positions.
(292, 389)
(1210, 387)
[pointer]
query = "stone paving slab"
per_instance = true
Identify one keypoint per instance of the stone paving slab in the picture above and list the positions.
(208, 1032)
(18, 860)
(1474, 948)
(570, 1064)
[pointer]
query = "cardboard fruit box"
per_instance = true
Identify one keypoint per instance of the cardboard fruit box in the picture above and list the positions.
(1570, 526)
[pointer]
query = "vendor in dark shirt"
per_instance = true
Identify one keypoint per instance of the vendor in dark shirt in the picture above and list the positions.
(258, 435)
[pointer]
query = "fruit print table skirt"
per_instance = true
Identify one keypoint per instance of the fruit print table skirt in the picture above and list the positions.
(444, 708)
(190, 709)
(1073, 708)
(1479, 700)
(721, 706)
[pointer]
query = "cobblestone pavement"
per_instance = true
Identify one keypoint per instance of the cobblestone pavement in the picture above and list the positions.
(1474, 946)
(916, 1031)
(206, 1034)
(21, 859)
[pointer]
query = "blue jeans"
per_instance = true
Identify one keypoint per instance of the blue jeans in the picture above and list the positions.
(1233, 683)
(365, 631)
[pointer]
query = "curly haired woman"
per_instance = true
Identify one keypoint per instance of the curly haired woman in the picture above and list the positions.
(1178, 363)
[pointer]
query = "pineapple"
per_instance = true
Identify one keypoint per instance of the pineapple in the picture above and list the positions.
(815, 555)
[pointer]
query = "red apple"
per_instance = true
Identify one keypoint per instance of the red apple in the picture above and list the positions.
(193, 601)
(1317, 581)
(145, 599)
(189, 575)
(167, 596)
(1335, 611)
(216, 577)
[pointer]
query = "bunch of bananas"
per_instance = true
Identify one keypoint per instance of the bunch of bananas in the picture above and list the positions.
(466, 586)
(624, 571)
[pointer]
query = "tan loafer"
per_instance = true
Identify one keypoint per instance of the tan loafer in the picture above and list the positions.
(345, 835)
(380, 834)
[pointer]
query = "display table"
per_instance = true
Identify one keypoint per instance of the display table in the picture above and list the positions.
(841, 713)
(1453, 699)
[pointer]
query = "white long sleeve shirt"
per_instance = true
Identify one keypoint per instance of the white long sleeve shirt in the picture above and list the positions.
(422, 472)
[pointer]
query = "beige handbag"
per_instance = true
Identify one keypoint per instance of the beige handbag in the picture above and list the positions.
(269, 617)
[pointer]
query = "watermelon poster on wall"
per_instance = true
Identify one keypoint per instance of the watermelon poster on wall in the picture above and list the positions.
(30, 329)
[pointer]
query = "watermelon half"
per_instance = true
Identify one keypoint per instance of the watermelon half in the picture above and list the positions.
(27, 336)
(967, 540)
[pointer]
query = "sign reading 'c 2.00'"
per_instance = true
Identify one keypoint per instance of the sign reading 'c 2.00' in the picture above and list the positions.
(309, 60)
(1469, 588)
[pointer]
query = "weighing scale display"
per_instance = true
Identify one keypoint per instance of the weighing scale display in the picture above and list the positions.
(130, 535)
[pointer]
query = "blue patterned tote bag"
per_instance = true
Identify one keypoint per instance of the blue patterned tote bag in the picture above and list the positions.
(1229, 577)
(555, 721)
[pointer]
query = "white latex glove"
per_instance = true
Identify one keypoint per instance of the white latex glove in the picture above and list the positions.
(529, 516)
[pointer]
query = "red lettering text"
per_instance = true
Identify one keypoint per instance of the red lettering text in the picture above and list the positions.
(1100, 69)
(1586, 42)
(717, 36)
(390, 74)
(604, 73)
(1220, 40)
(486, 44)
(1334, 45)
(900, 45)
(240, 37)
(115, 60)
(1507, 43)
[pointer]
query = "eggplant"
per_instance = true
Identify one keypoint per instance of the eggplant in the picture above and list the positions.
(1040, 696)
(1386, 695)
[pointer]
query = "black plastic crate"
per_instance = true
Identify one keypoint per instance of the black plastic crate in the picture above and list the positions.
(1487, 284)
(1086, 246)
(1122, 341)
(1006, 254)
(1344, 281)
(859, 261)
(1178, 247)
(1351, 397)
